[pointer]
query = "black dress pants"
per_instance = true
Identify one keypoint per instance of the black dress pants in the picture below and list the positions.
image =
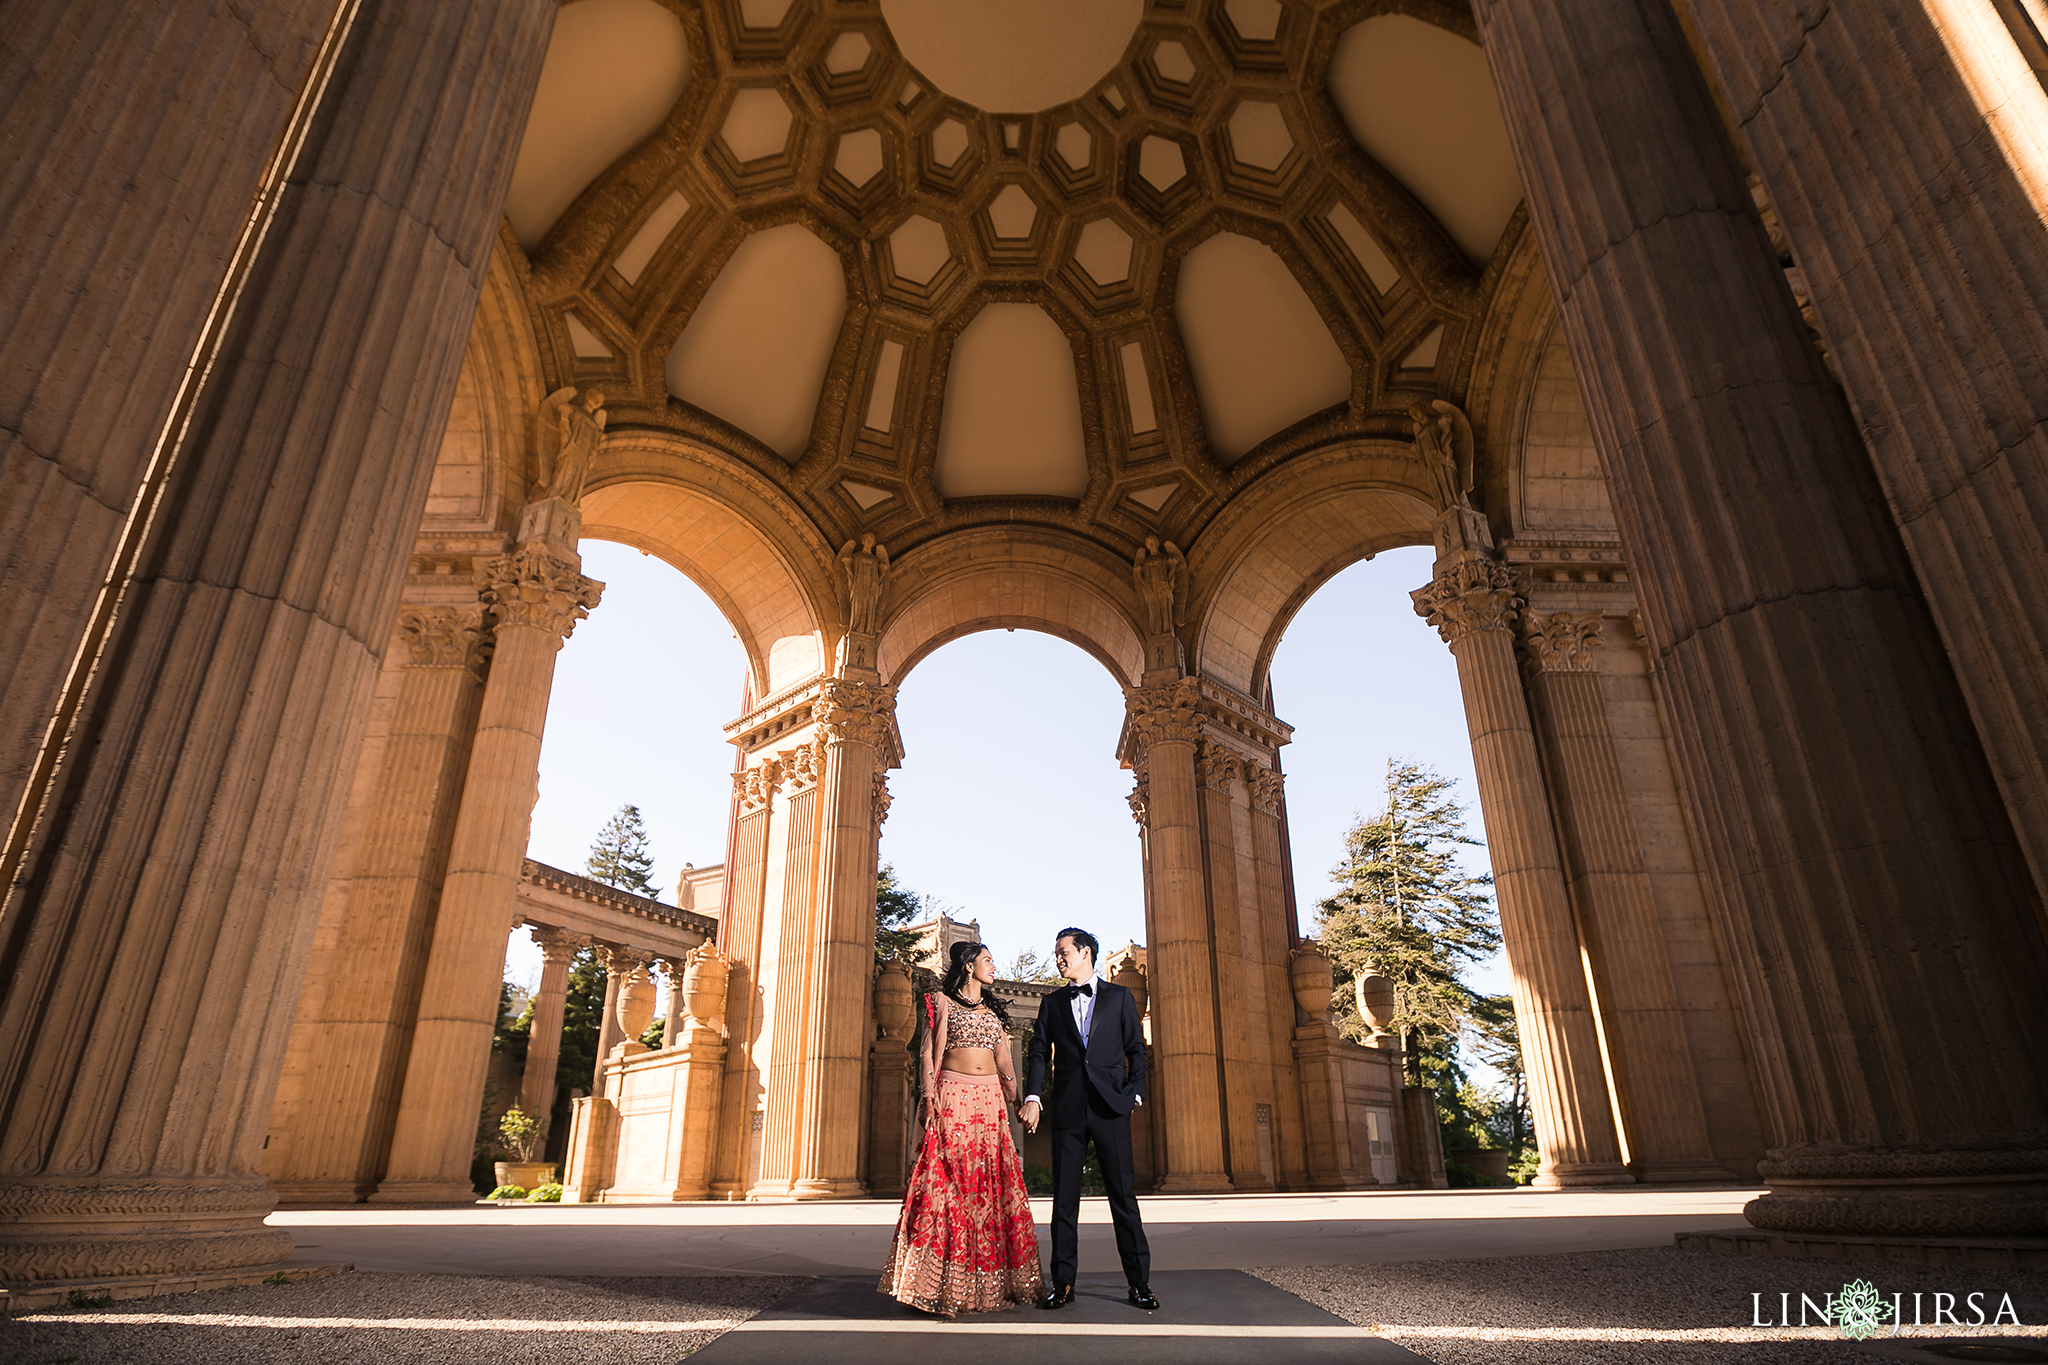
(1111, 1133)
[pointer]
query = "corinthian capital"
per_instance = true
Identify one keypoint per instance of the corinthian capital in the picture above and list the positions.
(751, 787)
(557, 945)
(1470, 594)
(1264, 785)
(1215, 766)
(1165, 715)
(1560, 643)
(882, 800)
(533, 586)
(440, 637)
(850, 712)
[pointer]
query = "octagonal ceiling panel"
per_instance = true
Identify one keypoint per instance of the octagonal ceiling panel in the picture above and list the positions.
(757, 124)
(1013, 56)
(613, 71)
(755, 351)
(1261, 355)
(917, 249)
(1012, 420)
(1419, 100)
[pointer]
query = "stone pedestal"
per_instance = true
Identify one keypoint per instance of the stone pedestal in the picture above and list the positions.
(1472, 602)
(1879, 916)
(536, 595)
(1334, 1163)
(164, 882)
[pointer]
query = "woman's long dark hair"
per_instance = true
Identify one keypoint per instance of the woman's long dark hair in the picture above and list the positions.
(959, 961)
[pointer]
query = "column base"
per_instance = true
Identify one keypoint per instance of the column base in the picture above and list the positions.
(1904, 1192)
(424, 1192)
(301, 1192)
(1200, 1182)
(84, 1229)
(1684, 1173)
(843, 1188)
(1581, 1175)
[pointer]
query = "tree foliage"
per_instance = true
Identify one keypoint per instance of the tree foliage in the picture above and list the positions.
(621, 856)
(1508, 1120)
(1410, 912)
(897, 907)
(1029, 966)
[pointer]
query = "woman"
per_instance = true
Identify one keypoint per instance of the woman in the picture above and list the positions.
(964, 1241)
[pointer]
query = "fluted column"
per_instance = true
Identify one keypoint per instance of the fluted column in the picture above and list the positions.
(740, 932)
(1635, 997)
(162, 893)
(1263, 786)
(355, 1058)
(672, 1017)
(1239, 993)
(858, 725)
(536, 595)
(1472, 602)
(787, 976)
(1905, 149)
(1166, 723)
(544, 1035)
(147, 142)
(617, 963)
(1880, 920)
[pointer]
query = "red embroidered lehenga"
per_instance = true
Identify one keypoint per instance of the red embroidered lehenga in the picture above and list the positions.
(964, 1241)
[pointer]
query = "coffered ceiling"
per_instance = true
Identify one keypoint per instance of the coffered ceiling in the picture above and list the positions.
(1094, 263)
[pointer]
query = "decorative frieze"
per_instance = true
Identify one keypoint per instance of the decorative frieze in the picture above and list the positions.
(440, 637)
(1472, 593)
(534, 586)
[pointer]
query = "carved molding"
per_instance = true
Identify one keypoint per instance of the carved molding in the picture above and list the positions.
(882, 799)
(1559, 643)
(850, 712)
(441, 637)
(753, 787)
(1140, 800)
(803, 765)
(1215, 766)
(557, 945)
(1265, 786)
(535, 587)
(1471, 594)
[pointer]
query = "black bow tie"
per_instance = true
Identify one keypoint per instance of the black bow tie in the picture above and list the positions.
(1088, 989)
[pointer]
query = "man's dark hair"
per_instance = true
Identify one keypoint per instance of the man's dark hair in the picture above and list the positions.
(1082, 939)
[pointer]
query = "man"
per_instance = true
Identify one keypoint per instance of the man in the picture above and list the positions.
(1089, 1032)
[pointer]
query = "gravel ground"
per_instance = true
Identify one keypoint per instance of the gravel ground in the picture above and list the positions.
(1655, 1306)
(354, 1319)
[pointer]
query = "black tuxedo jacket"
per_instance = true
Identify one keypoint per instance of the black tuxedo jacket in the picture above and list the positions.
(1113, 1070)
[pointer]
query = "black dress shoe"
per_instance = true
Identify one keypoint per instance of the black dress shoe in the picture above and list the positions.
(1058, 1297)
(1143, 1297)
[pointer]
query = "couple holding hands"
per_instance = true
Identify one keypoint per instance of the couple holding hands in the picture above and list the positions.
(964, 1240)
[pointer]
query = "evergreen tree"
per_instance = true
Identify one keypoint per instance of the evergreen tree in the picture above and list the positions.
(897, 907)
(1409, 912)
(1029, 966)
(621, 858)
(1498, 1043)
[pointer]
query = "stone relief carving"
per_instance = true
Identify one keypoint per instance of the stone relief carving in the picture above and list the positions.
(1560, 643)
(851, 712)
(804, 765)
(752, 787)
(1471, 594)
(882, 800)
(1165, 715)
(865, 563)
(571, 430)
(440, 637)
(1443, 439)
(1265, 786)
(534, 586)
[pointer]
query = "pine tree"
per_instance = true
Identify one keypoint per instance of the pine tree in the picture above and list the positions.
(897, 907)
(1409, 912)
(620, 857)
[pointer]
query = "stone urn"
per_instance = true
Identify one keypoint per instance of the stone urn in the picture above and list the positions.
(1312, 981)
(527, 1175)
(1375, 1001)
(893, 1002)
(636, 1004)
(1131, 977)
(704, 981)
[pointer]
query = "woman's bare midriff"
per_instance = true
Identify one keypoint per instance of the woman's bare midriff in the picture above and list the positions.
(970, 1061)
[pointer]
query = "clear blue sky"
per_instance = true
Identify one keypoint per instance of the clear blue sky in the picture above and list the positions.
(1009, 805)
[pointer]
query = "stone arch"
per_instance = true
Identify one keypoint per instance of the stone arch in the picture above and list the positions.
(734, 536)
(1285, 537)
(1007, 577)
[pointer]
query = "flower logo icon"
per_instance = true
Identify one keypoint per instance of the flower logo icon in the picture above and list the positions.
(1859, 1310)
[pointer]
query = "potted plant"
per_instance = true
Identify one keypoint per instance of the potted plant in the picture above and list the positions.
(521, 1134)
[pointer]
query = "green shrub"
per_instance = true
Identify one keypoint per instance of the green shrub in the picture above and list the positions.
(1038, 1179)
(507, 1192)
(1522, 1169)
(545, 1194)
(1461, 1176)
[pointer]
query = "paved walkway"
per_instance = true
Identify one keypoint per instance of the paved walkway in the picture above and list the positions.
(1220, 1316)
(852, 1237)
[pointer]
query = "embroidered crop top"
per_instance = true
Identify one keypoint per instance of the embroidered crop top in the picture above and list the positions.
(974, 1028)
